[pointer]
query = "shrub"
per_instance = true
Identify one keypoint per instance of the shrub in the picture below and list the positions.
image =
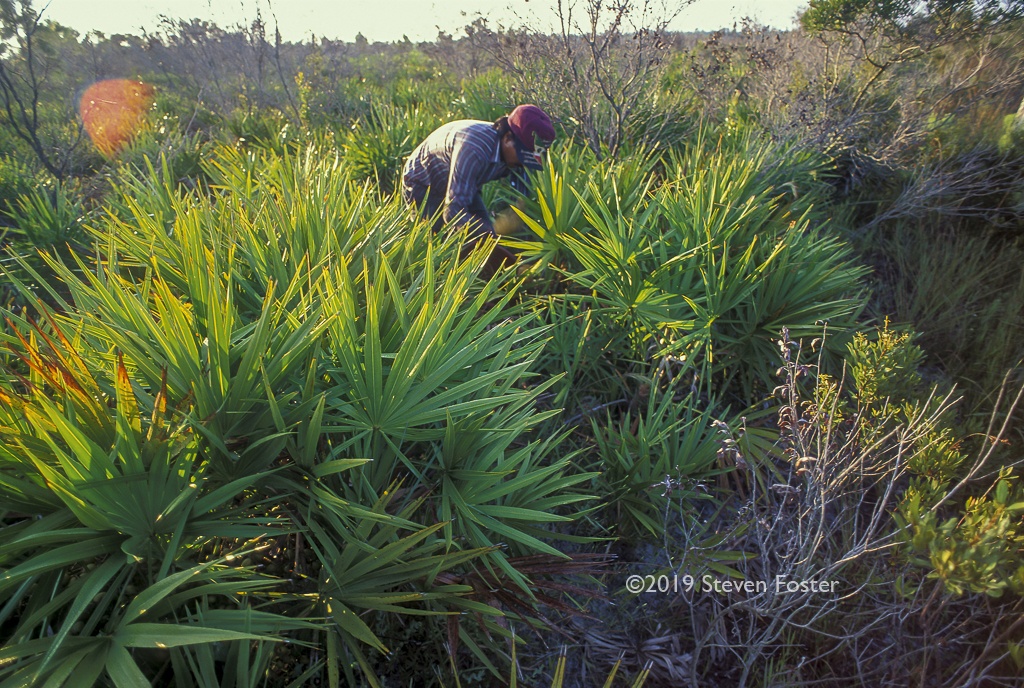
(184, 153)
(820, 508)
(712, 263)
(263, 129)
(307, 458)
(979, 548)
(376, 147)
(884, 368)
(16, 181)
(46, 218)
(966, 296)
(656, 458)
(486, 97)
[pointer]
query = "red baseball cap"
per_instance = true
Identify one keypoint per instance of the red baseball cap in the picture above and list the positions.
(529, 123)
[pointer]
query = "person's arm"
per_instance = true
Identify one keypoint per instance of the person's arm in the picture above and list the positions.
(463, 202)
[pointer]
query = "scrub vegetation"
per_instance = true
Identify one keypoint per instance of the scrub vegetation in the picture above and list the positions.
(746, 412)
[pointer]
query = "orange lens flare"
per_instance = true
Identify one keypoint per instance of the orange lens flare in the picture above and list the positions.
(113, 112)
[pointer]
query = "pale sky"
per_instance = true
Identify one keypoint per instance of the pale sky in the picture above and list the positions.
(378, 20)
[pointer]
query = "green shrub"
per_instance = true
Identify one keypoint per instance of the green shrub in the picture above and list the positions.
(52, 217)
(184, 154)
(714, 262)
(263, 129)
(376, 147)
(656, 457)
(1011, 140)
(884, 367)
(16, 181)
(977, 549)
(486, 97)
(110, 566)
(362, 429)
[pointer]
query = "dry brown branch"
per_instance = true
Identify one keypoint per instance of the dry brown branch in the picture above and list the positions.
(597, 67)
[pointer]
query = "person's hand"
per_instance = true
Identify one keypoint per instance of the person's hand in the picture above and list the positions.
(507, 222)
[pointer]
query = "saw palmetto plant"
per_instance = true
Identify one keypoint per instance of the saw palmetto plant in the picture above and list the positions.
(706, 260)
(203, 466)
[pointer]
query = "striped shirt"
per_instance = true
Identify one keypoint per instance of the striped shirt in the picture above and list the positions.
(456, 160)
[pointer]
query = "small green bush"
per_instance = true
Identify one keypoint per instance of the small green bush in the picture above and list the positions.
(978, 548)
(49, 217)
(884, 367)
(1011, 140)
(184, 153)
(262, 129)
(656, 457)
(16, 181)
(376, 147)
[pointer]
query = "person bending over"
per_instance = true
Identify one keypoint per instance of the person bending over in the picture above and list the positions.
(445, 174)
